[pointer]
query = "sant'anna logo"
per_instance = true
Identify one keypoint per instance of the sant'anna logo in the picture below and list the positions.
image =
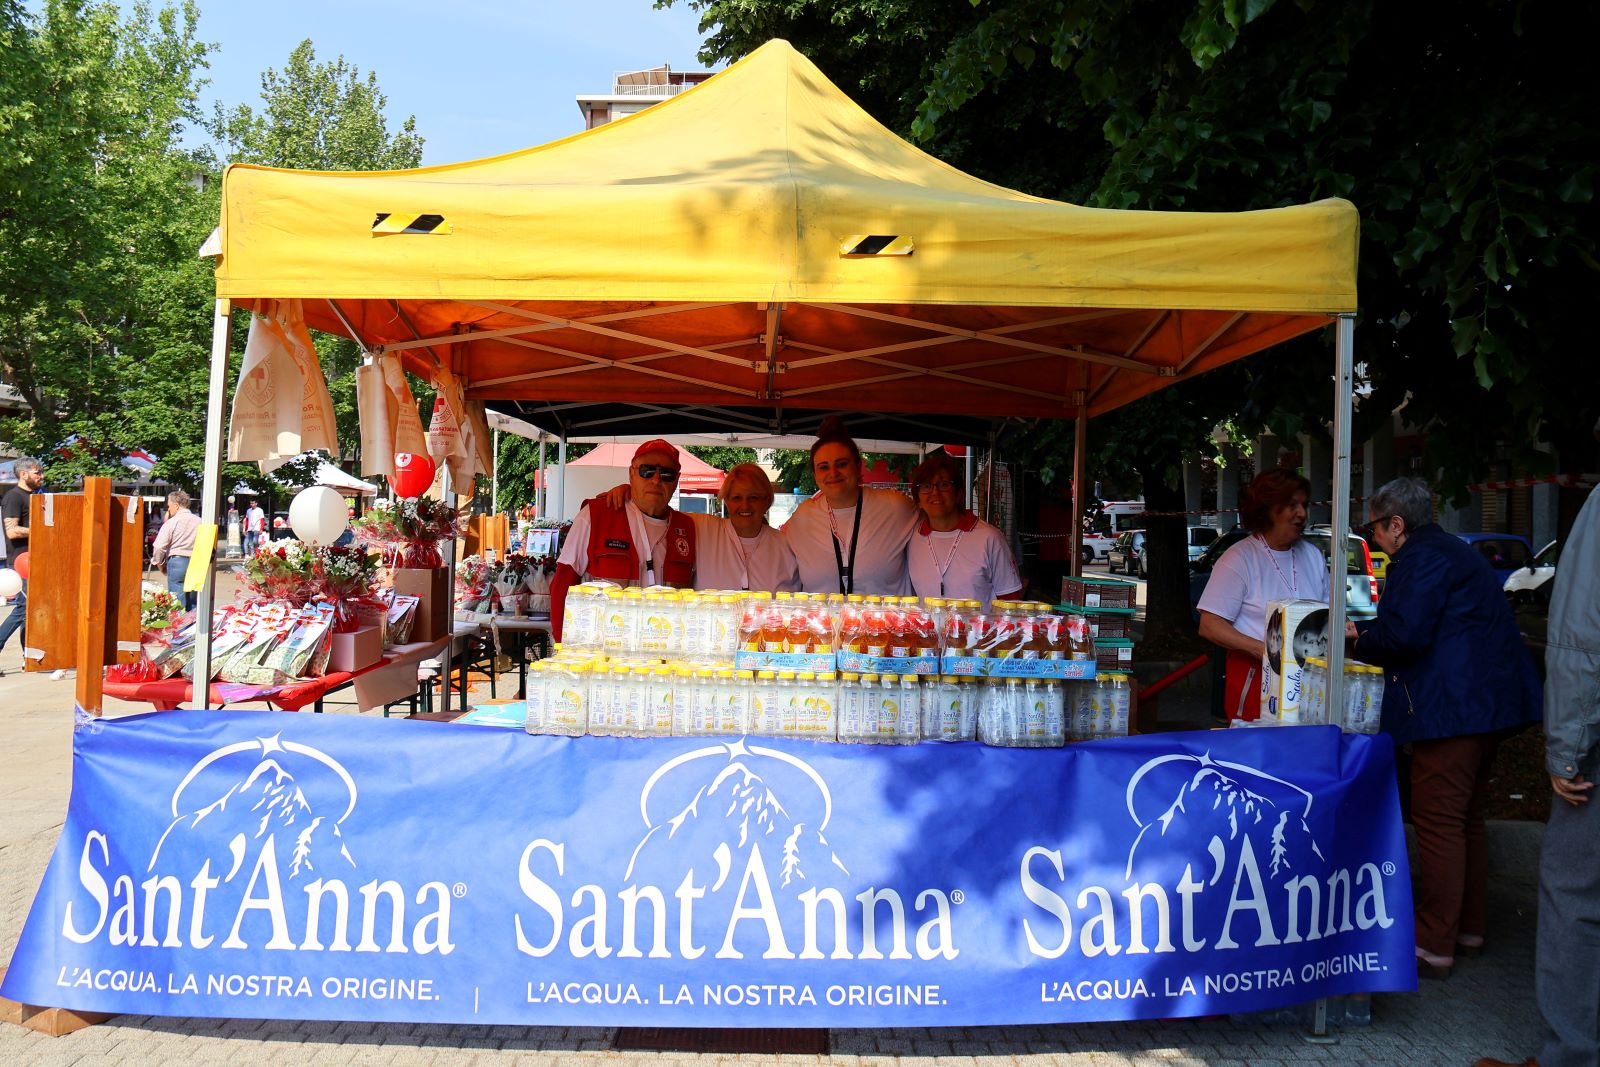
(257, 833)
(735, 859)
(1227, 848)
(738, 807)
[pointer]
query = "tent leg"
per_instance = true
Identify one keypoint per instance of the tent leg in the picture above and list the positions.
(561, 480)
(211, 496)
(494, 479)
(1344, 363)
(1080, 442)
(968, 497)
(445, 494)
(541, 499)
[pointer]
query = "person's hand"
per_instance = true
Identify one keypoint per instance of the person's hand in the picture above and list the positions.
(1573, 790)
(618, 496)
(1350, 631)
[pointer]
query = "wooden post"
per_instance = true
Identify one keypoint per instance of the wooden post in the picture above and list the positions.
(92, 590)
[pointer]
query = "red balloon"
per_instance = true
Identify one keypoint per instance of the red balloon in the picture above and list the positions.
(20, 565)
(413, 474)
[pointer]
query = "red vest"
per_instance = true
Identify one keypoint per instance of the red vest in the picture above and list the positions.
(613, 555)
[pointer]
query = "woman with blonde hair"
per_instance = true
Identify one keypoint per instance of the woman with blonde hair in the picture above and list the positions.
(741, 551)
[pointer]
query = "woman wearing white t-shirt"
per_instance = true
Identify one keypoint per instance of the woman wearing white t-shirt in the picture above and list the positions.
(742, 551)
(1273, 563)
(954, 553)
(849, 538)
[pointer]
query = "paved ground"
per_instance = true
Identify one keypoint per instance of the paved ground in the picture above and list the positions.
(1486, 1008)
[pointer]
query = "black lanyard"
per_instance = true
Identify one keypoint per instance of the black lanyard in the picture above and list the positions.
(847, 574)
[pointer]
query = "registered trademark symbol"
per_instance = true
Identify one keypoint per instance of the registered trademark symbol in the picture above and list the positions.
(1388, 868)
(459, 890)
(957, 896)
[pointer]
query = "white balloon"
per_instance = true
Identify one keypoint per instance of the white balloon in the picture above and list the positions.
(10, 583)
(318, 515)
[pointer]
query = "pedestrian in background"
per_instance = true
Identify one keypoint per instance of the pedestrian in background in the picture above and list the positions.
(175, 544)
(1567, 953)
(14, 516)
(255, 528)
(1457, 681)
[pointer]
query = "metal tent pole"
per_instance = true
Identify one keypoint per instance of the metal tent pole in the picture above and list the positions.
(450, 624)
(1344, 363)
(541, 499)
(211, 495)
(561, 480)
(1080, 444)
(494, 481)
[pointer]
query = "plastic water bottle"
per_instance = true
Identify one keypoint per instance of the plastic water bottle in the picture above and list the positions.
(658, 707)
(1034, 725)
(869, 710)
(1118, 698)
(1055, 713)
(682, 701)
(1080, 702)
(702, 698)
(740, 712)
(909, 726)
(992, 712)
(1016, 714)
(822, 714)
(849, 707)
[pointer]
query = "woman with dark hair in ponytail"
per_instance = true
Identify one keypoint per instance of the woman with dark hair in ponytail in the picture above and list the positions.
(850, 538)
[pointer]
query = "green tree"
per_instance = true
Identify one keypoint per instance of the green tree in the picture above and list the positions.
(103, 304)
(324, 116)
(1462, 132)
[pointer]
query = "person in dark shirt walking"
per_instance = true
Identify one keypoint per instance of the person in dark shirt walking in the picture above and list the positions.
(14, 514)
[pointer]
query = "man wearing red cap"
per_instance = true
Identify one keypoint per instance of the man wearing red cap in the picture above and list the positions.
(644, 542)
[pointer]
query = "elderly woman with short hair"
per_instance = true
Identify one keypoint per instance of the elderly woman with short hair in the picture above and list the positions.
(1457, 680)
(175, 544)
(1273, 563)
(741, 551)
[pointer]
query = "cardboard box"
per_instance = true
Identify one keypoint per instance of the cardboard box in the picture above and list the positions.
(1297, 630)
(356, 650)
(431, 587)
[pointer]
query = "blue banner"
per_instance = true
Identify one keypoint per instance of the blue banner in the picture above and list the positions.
(294, 866)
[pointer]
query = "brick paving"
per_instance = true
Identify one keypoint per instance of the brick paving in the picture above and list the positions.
(1486, 1008)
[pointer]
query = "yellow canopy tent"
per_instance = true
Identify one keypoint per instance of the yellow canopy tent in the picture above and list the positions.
(760, 243)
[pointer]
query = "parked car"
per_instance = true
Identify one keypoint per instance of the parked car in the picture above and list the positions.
(1096, 545)
(1127, 554)
(1361, 588)
(1531, 584)
(1200, 538)
(1505, 553)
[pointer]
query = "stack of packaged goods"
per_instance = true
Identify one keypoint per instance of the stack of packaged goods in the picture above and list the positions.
(858, 669)
(1109, 606)
(1363, 696)
(1102, 707)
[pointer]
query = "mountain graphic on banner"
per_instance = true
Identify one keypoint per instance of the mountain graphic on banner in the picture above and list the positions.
(1214, 808)
(266, 800)
(734, 812)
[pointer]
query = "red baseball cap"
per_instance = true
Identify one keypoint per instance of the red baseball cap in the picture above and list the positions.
(657, 445)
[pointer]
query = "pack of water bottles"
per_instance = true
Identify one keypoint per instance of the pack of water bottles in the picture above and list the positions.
(1100, 707)
(1363, 696)
(652, 625)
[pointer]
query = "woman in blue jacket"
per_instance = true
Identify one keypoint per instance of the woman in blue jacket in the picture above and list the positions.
(1458, 679)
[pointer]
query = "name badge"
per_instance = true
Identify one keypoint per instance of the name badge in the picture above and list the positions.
(612, 542)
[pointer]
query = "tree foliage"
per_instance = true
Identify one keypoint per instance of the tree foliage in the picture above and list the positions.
(103, 304)
(1463, 133)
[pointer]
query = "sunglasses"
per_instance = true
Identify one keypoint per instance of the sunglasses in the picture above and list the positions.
(1367, 529)
(927, 488)
(668, 475)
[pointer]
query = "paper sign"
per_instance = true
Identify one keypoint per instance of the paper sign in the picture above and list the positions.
(205, 543)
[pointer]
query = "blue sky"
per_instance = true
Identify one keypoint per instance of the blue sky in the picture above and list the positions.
(481, 76)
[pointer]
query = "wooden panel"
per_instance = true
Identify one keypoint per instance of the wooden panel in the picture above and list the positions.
(56, 562)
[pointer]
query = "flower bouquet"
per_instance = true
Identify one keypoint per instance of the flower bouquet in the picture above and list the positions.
(160, 615)
(408, 532)
(510, 583)
(475, 588)
(284, 570)
(348, 573)
(540, 570)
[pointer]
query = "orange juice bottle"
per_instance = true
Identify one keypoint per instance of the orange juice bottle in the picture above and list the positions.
(877, 628)
(773, 635)
(852, 624)
(750, 621)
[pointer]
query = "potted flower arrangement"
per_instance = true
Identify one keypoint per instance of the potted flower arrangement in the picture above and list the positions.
(284, 570)
(408, 532)
(348, 573)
